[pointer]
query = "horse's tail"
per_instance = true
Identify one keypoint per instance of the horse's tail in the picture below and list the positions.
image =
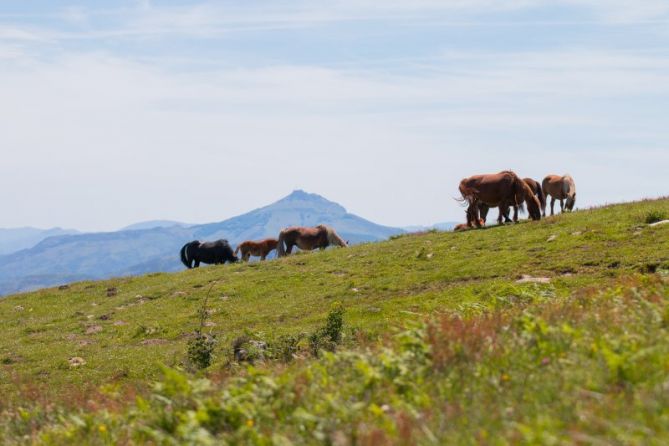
(280, 248)
(238, 248)
(542, 197)
(184, 254)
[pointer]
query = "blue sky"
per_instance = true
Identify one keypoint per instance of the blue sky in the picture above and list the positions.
(116, 112)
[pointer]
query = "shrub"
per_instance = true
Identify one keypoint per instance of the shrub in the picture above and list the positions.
(654, 216)
(330, 335)
(201, 350)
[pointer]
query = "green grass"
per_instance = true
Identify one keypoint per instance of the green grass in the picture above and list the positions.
(510, 392)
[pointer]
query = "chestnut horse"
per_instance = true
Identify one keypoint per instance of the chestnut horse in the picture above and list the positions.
(259, 249)
(307, 239)
(560, 188)
(501, 190)
(538, 192)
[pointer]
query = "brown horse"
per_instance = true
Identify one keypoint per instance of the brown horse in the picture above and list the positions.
(259, 249)
(501, 190)
(307, 239)
(536, 189)
(560, 188)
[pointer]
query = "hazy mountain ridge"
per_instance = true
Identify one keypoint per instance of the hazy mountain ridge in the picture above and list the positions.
(65, 258)
(16, 239)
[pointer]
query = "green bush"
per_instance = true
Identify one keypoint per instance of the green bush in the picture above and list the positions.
(654, 217)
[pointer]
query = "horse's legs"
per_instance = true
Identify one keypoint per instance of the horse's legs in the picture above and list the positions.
(262, 257)
(507, 212)
(561, 205)
(502, 210)
(552, 205)
(197, 264)
(515, 214)
(289, 248)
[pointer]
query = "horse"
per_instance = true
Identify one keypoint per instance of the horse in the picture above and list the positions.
(536, 189)
(307, 239)
(259, 249)
(501, 190)
(560, 188)
(216, 253)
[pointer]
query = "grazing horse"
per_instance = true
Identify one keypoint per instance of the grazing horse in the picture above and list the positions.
(501, 190)
(259, 249)
(207, 252)
(560, 188)
(307, 239)
(536, 189)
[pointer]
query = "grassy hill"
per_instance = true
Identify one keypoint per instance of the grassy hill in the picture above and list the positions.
(537, 332)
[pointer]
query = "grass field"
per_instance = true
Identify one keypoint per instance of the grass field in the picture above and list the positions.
(443, 341)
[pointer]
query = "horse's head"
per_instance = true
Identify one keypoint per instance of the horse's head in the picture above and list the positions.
(571, 201)
(533, 207)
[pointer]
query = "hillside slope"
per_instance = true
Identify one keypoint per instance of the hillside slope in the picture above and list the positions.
(141, 250)
(145, 320)
(536, 333)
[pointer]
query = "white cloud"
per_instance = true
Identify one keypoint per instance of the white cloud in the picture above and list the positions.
(97, 141)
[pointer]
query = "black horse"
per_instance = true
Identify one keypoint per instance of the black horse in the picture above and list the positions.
(207, 252)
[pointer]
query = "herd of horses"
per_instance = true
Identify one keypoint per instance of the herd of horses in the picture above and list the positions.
(503, 190)
(220, 251)
(506, 190)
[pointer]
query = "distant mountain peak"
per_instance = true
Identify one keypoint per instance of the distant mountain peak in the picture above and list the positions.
(310, 200)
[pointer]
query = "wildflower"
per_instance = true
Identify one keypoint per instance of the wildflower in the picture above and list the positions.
(249, 423)
(102, 428)
(505, 377)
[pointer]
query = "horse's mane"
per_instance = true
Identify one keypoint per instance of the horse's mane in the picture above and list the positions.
(333, 237)
(572, 186)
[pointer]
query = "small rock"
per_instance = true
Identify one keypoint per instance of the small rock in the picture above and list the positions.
(76, 361)
(577, 233)
(355, 290)
(552, 238)
(659, 223)
(112, 291)
(179, 294)
(90, 316)
(84, 342)
(154, 342)
(19, 308)
(120, 323)
(92, 329)
(529, 279)
(64, 287)
(209, 324)
(430, 255)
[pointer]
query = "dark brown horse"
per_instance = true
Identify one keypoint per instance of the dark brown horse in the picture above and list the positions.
(560, 188)
(536, 189)
(259, 249)
(500, 190)
(307, 239)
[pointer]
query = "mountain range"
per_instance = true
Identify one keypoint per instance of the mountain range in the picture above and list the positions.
(16, 239)
(154, 246)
